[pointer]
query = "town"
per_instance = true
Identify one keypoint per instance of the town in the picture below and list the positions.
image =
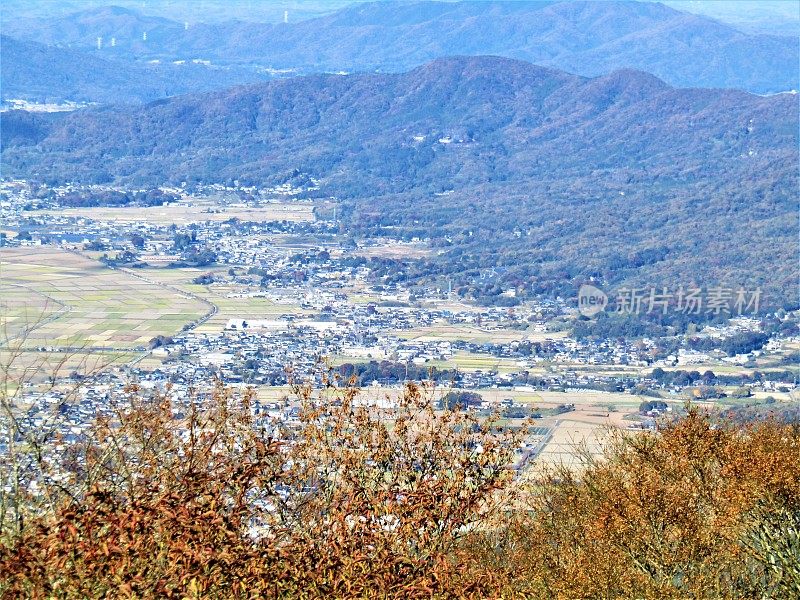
(279, 294)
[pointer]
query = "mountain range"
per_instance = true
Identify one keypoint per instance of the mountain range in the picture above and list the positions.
(586, 38)
(41, 73)
(547, 176)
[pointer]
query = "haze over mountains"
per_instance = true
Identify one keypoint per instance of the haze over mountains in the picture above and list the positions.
(482, 104)
(207, 11)
(586, 38)
(37, 72)
(548, 175)
(780, 17)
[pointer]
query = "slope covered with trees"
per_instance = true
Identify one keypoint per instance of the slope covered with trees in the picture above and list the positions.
(523, 177)
(588, 38)
(40, 73)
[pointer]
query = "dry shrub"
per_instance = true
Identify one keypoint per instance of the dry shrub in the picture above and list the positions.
(701, 509)
(348, 504)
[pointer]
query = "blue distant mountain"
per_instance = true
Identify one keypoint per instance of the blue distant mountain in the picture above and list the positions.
(586, 38)
(40, 73)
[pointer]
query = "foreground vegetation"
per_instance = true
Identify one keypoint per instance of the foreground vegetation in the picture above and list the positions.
(170, 500)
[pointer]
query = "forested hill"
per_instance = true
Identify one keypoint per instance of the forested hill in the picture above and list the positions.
(448, 124)
(549, 176)
(41, 73)
(584, 37)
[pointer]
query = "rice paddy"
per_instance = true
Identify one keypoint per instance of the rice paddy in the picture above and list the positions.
(195, 213)
(232, 301)
(57, 299)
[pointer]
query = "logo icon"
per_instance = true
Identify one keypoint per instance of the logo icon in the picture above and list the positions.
(591, 300)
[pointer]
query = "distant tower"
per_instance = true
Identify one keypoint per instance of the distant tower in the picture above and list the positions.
(286, 16)
(144, 36)
(113, 42)
(99, 43)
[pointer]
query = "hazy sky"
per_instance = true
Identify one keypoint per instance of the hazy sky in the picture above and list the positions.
(779, 16)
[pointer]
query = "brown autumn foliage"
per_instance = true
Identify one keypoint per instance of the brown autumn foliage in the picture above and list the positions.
(347, 505)
(702, 509)
(420, 505)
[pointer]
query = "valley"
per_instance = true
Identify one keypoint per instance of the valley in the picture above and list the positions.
(414, 299)
(280, 294)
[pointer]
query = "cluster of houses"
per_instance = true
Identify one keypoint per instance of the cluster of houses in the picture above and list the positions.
(314, 281)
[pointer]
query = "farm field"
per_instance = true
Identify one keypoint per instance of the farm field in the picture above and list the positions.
(22, 307)
(185, 214)
(465, 361)
(395, 250)
(225, 297)
(86, 305)
(36, 367)
(474, 334)
(580, 398)
(568, 440)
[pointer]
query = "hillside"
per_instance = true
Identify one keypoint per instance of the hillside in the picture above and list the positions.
(587, 38)
(550, 178)
(81, 29)
(19, 128)
(40, 73)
